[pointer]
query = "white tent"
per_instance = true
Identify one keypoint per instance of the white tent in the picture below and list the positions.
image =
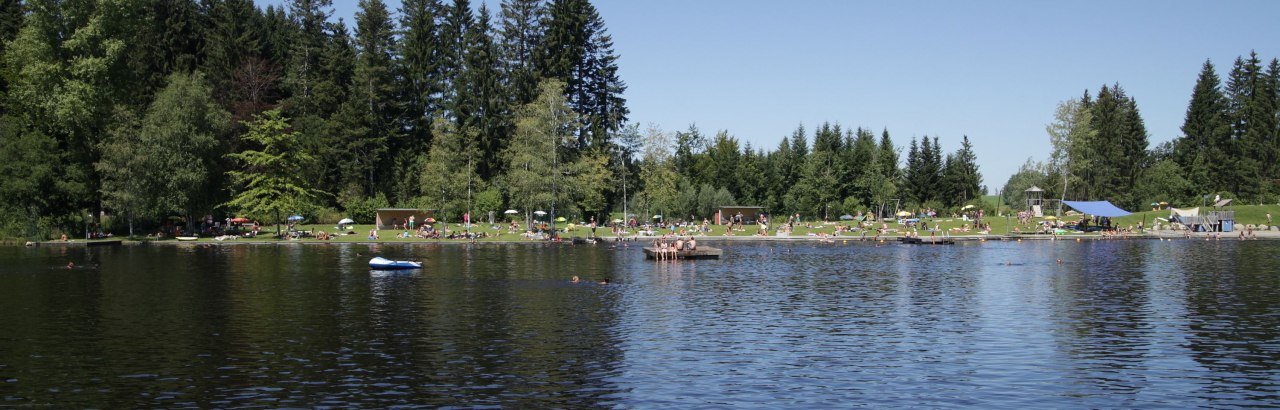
(1174, 212)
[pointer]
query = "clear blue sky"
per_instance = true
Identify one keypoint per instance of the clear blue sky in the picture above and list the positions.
(992, 70)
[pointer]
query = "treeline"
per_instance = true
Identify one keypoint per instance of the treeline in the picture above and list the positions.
(1229, 147)
(142, 108)
(148, 110)
(842, 171)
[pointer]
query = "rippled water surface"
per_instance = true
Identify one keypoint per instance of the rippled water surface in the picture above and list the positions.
(774, 325)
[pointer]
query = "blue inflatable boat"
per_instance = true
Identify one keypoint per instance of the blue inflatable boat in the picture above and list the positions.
(381, 263)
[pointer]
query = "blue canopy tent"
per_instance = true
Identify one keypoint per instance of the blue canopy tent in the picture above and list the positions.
(1097, 208)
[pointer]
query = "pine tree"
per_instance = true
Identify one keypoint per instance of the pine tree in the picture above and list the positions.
(1252, 111)
(521, 33)
(779, 166)
(482, 107)
(365, 125)
(724, 161)
(1206, 134)
(604, 108)
(966, 179)
(862, 173)
(888, 158)
(457, 23)
(233, 36)
(912, 175)
(1133, 148)
(308, 45)
(277, 36)
(418, 70)
(1108, 123)
(173, 37)
(690, 145)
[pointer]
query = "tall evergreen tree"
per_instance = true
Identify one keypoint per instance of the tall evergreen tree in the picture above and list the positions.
(1206, 134)
(690, 145)
(521, 34)
(482, 107)
(965, 179)
(365, 125)
(603, 106)
(458, 20)
(912, 174)
(888, 158)
(308, 46)
(419, 71)
(1252, 111)
(233, 36)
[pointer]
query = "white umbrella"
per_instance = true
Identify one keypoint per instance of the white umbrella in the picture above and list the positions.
(968, 207)
(539, 213)
(511, 212)
(346, 221)
(657, 217)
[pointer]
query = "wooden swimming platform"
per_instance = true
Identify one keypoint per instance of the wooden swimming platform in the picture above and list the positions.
(703, 252)
(923, 241)
(91, 242)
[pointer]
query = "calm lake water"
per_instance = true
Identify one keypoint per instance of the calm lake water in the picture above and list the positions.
(774, 325)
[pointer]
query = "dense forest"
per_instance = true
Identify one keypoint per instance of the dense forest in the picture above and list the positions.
(129, 113)
(1229, 147)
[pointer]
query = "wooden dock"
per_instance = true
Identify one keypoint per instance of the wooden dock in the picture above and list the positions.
(78, 242)
(703, 252)
(926, 241)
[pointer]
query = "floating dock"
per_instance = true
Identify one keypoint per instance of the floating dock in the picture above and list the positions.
(78, 242)
(703, 252)
(924, 241)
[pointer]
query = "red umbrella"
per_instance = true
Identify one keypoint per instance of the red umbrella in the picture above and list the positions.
(239, 220)
(431, 220)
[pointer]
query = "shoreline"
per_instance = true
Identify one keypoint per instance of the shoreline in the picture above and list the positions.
(1163, 235)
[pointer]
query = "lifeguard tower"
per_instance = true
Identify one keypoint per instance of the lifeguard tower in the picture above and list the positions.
(1035, 201)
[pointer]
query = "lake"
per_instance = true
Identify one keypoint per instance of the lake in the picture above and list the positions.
(1137, 323)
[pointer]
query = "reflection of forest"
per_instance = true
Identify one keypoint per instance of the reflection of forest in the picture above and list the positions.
(1142, 313)
(1103, 317)
(1233, 304)
(218, 326)
(1116, 322)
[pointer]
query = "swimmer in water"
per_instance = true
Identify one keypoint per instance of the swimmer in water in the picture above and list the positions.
(71, 265)
(604, 281)
(575, 279)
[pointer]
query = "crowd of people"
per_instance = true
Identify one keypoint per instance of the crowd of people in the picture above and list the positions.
(669, 248)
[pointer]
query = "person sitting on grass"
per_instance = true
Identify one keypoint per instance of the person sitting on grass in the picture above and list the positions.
(373, 234)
